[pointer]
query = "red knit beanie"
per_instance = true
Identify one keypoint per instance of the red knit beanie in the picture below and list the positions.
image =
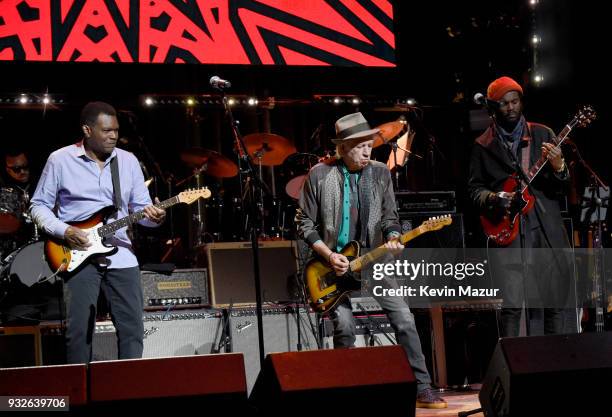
(498, 88)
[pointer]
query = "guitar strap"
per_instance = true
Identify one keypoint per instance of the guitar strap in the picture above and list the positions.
(116, 183)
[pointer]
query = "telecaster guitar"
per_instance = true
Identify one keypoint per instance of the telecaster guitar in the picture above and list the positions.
(326, 289)
(65, 260)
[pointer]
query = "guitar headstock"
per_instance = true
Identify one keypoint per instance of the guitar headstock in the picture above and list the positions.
(437, 223)
(585, 116)
(190, 196)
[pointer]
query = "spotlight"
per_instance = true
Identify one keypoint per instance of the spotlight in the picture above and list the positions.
(46, 99)
(190, 101)
(355, 100)
(23, 99)
(337, 100)
(252, 101)
(538, 78)
(410, 101)
(535, 39)
(533, 3)
(231, 101)
(148, 101)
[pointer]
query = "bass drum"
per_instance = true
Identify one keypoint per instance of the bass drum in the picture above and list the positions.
(27, 265)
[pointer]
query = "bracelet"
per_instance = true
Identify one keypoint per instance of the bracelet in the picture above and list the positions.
(560, 170)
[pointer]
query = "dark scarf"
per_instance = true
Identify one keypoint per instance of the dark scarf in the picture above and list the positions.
(512, 139)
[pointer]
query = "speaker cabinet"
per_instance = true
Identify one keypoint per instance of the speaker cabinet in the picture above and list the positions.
(549, 375)
(337, 381)
(176, 333)
(152, 385)
(230, 267)
(452, 236)
(280, 334)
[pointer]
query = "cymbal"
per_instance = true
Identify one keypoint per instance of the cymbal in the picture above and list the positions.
(212, 162)
(389, 131)
(273, 149)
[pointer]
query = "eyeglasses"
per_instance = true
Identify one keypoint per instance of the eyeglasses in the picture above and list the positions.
(18, 168)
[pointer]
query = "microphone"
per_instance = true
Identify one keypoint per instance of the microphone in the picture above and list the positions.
(219, 83)
(480, 99)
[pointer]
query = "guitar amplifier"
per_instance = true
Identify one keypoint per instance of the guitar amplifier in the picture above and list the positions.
(371, 330)
(230, 266)
(426, 202)
(280, 327)
(173, 333)
(183, 287)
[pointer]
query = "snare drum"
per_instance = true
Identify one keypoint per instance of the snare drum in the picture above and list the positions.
(12, 205)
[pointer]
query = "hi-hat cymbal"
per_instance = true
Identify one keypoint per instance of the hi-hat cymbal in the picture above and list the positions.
(268, 148)
(389, 131)
(212, 162)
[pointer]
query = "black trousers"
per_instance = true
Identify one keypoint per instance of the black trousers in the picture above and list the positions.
(123, 290)
(546, 285)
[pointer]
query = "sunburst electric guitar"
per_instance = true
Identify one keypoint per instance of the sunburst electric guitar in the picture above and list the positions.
(326, 289)
(65, 260)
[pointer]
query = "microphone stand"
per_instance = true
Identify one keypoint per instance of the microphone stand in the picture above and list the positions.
(244, 161)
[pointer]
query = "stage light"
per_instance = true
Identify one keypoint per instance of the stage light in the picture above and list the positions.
(535, 39)
(23, 99)
(148, 101)
(190, 101)
(337, 100)
(231, 101)
(538, 78)
(46, 99)
(355, 100)
(410, 101)
(252, 101)
(533, 3)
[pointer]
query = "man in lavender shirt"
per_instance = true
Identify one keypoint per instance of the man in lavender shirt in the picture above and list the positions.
(75, 184)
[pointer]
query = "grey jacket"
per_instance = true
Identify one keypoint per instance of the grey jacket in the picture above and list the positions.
(320, 205)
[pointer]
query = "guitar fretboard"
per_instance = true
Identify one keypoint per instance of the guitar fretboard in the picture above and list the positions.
(359, 263)
(558, 141)
(111, 228)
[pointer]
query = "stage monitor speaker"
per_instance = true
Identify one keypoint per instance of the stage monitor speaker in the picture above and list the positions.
(230, 267)
(186, 382)
(182, 287)
(45, 381)
(175, 333)
(280, 334)
(549, 375)
(452, 236)
(347, 381)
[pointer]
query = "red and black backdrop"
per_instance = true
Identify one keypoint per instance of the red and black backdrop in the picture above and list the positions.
(269, 32)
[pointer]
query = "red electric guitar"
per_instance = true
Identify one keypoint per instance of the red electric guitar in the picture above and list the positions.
(502, 226)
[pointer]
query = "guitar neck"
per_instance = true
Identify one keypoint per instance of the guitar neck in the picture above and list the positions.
(112, 227)
(537, 167)
(358, 264)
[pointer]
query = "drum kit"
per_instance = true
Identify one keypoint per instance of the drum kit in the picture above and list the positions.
(269, 152)
(21, 250)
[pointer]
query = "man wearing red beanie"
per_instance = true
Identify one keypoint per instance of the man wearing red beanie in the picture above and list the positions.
(508, 145)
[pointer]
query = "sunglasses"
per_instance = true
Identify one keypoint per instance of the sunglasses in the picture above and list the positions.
(18, 168)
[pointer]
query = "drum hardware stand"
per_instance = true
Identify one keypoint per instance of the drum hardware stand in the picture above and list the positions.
(246, 163)
(225, 340)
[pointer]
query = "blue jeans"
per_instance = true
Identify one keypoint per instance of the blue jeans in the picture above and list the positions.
(123, 290)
